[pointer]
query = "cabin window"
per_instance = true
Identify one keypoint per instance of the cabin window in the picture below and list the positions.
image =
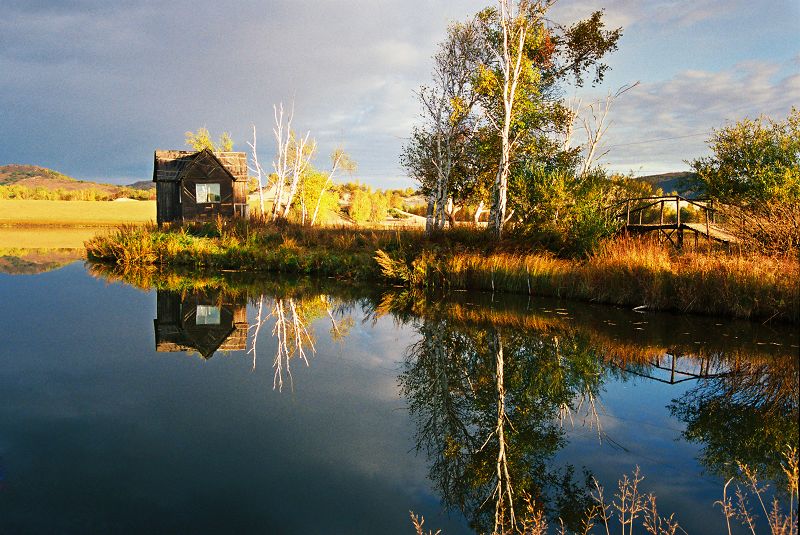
(207, 315)
(206, 193)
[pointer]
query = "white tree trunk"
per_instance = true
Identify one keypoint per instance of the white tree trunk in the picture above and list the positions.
(298, 167)
(512, 67)
(259, 173)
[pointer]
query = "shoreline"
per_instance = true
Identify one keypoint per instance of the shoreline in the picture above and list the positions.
(626, 272)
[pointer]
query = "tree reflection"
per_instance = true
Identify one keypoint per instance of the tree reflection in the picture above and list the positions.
(491, 386)
(487, 400)
(292, 318)
(747, 415)
(292, 314)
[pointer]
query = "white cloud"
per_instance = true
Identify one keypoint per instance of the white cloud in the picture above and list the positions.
(692, 103)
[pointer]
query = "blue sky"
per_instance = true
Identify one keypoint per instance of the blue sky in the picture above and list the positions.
(91, 87)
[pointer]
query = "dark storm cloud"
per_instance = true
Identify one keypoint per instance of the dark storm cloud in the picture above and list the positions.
(92, 87)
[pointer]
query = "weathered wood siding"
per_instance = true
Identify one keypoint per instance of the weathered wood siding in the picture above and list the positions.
(203, 172)
(177, 174)
(167, 202)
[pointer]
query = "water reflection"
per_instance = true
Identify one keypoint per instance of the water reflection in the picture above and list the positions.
(748, 414)
(19, 261)
(491, 387)
(203, 322)
(495, 386)
(292, 317)
(489, 403)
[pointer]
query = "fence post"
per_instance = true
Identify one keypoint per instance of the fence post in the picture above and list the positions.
(628, 212)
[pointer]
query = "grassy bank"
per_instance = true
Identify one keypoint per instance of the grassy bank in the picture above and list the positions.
(623, 272)
(75, 213)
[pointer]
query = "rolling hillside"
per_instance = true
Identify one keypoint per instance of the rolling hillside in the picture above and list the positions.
(33, 177)
(670, 182)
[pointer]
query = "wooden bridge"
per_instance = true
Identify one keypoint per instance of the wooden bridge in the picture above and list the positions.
(639, 216)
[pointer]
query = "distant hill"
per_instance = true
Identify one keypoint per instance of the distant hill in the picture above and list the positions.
(18, 173)
(34, 177)
(143, 185)
(33, 261)
(670, 182)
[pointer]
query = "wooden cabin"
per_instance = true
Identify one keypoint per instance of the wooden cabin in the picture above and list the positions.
(199, 186)
(200, 322)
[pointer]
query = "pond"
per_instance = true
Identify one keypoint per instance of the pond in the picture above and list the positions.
(214, 403)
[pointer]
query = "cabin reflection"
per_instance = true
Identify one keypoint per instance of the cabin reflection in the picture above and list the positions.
(200, 323)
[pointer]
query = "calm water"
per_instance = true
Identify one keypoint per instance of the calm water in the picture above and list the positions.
(125, 409)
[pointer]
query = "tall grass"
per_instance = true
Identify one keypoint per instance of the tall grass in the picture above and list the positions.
(624, 271)
(627, 271)
(632, 511)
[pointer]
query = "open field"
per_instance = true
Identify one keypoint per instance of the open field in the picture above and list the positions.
(75, 213)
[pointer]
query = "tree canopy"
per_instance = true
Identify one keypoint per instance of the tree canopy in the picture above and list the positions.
(752, 161)
(494, 108)
(202, 140)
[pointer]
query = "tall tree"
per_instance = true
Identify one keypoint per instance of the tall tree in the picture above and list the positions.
(433, 154)
(516, 24)
(496, 102)
(521, 88)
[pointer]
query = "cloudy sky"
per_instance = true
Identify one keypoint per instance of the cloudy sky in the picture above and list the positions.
(92, 87)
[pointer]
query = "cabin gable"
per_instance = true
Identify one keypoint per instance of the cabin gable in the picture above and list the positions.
(202, 323)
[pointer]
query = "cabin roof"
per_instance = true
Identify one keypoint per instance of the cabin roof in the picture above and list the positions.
(169, 164)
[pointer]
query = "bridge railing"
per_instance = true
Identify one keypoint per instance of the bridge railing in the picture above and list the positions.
(629, 209)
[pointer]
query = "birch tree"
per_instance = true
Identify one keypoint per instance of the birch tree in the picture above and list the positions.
(436, 148)
(532, 58)
(292, 157)
(595, 123)
(514, 22)
(508, 112)
(301, 151)
(282, 133)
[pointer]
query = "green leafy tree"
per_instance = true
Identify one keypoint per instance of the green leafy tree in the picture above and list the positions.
(753, 161)
(479, 130)
(315, 194)
(201, 140)
(563, 210)
(339, 160)
(520, 90)
(755, 167)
